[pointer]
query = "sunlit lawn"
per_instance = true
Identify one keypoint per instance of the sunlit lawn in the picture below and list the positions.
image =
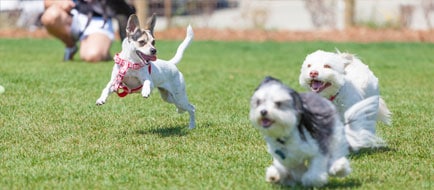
(52, 136)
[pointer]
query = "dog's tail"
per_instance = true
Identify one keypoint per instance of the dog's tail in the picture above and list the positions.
(384, 115)
(360, 124)
(181, 48)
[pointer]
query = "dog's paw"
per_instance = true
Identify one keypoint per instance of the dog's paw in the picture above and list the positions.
(146, 92)
(340, 168)
(314, 179)
(272, 175)
(100, 102)
(146, 89)
(146, 95)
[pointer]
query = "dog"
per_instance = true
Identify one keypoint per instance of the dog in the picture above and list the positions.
(304, 133)
(137, 69)
(345, 80)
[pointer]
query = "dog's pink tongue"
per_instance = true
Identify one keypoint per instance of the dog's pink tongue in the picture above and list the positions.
(150, 57)
(266, 122)
(316, 84)
(153, 58)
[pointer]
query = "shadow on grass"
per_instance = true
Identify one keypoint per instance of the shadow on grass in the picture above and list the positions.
(369, 151)
(334, 183)
(166, 131)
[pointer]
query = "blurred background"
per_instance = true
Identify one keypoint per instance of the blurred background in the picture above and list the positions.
(263, 15)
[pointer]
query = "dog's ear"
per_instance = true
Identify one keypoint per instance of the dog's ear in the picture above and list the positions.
(298, 102)
(132, 25)
(266, 80)
(151, 24)
(348, 58)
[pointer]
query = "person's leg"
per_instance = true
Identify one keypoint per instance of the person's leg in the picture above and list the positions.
(95, 47)
(58, 23)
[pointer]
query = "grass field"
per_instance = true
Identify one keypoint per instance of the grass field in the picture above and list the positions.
(52, 136)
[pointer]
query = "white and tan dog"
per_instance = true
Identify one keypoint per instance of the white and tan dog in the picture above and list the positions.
(304, 133)
(345, 80)
(137, 69)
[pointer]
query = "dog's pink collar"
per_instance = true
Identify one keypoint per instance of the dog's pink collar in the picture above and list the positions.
(333, 97)
(124, 65)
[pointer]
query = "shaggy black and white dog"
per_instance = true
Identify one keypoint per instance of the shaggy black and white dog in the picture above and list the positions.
(304, 133)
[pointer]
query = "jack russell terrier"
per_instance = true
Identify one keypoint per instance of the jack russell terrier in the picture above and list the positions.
(137, 69)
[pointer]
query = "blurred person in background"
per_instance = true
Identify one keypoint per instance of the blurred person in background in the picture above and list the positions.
(87, 21)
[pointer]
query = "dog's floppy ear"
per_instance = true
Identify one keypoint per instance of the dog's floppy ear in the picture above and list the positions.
(151, 24)
(298, 102)
(132, 25)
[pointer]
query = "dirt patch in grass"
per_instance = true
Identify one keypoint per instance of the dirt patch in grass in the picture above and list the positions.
(348, 35)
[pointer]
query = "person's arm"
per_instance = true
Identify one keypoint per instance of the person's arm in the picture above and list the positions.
(66, 5)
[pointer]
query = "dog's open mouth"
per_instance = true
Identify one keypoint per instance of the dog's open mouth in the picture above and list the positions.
(145, 58)
(318, 86)
(265, 122)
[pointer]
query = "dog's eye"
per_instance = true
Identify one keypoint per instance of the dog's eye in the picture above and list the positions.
(153, 42)
(142, 42)
(278, 104)
(308, 65)
(255, 102)
(258, 102)
(327, 66)
(284, 104)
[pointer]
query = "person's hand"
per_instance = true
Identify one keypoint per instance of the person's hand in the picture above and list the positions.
(65, 5)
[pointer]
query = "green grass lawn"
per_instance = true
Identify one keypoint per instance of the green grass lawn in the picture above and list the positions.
(53, 136)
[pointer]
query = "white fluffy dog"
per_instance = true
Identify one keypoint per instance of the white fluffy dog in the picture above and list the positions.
(345, 80)
(304, 133)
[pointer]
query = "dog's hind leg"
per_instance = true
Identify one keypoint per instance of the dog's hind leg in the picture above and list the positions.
(191, 111)
(181, 104)
(165, 95)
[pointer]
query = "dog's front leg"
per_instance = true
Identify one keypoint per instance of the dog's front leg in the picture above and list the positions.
(147, 88)
(104, 95)
(316, 174)
(277, 173)
(108, 89)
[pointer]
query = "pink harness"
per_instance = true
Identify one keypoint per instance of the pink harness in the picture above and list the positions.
(333, 97)
(121, 89)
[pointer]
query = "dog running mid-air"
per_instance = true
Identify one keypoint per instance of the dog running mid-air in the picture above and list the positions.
(137, 69)
(304, 133)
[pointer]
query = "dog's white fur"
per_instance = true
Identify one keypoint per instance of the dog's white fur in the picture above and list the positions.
(302, 153)
(344, 79)
(139, 47)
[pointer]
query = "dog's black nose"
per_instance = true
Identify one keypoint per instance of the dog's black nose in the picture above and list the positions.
(153, 51)
(264, 112)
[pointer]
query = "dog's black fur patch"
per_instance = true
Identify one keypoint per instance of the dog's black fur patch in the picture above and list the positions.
(318, 118)
(136, 35)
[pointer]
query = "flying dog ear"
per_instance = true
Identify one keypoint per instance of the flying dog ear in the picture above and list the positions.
(151, 24)
(133, 24)
(298, 102)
